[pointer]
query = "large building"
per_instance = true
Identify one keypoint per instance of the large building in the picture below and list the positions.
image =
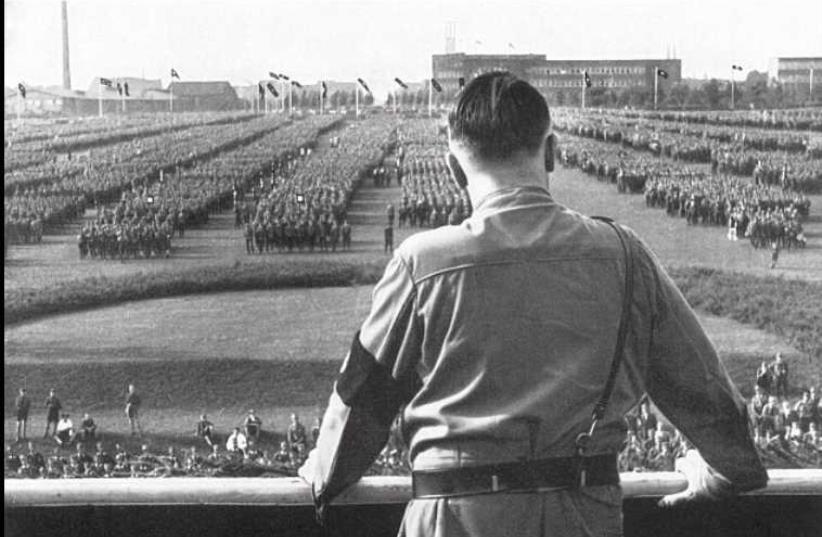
(554, 77)
(801, 75)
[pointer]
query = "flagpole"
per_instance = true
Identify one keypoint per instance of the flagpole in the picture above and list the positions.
(123, 97)
(732, 87)
(100, 98)
(321, 100)
(583, 90)
(357, 99)
(656, 84)
(810, 84)
(430, 97)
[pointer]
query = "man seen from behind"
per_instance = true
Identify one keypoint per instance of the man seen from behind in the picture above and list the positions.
(497, 338)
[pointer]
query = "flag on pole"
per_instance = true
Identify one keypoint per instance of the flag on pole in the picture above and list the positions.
(662, 72)
(273, 91)
(364, 85)
(22, 89)
(511, 46)
(174, 74)
(273, 75)
(736, 67)
(402, 84)
(119, 88)
(587, 79)
(125, 89)
(436, 85)
(284, 77)
(296, 84)
(325, 89)
(105, 82)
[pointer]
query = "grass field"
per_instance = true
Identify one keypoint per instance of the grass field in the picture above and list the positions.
(275, 351)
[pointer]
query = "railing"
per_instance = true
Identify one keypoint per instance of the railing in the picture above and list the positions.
(283, 506)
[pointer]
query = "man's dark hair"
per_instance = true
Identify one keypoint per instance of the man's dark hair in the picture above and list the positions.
(498, 115)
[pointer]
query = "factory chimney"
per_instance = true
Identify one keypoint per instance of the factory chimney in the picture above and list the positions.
(66, 70)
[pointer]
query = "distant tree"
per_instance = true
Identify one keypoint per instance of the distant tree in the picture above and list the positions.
(678, 96)
(713, 94)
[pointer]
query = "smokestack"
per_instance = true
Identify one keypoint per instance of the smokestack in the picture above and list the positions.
(66, 70)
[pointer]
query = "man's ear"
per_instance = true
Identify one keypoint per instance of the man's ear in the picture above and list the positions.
(550, 143)
(456, 171)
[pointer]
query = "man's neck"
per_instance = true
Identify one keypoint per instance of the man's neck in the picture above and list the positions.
(486, 181)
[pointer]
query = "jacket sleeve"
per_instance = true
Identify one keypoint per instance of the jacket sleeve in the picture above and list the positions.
(377, 377)
(688, 383)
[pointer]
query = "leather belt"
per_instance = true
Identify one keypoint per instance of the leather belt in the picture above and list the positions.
(560, 472)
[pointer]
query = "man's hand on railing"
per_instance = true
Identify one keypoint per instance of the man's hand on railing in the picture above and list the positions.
(704, 484)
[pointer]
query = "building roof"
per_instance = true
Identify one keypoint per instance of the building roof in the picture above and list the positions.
(203, 89)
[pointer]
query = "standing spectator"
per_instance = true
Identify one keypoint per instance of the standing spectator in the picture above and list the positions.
(389, 239)
(764, 377)
(345, 230)
(756, 410)
(65, 431)
(53, 408)
(236, 442)
(770, 415)
(390, 213)
(205, 430)
(88, 429)
(774, 254)
(133, 403)
(296, 434)
(23, 405)
(253, 425)
(647, 423)
(780, 375)
(804, 410)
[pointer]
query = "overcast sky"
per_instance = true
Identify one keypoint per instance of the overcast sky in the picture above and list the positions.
(241, 40)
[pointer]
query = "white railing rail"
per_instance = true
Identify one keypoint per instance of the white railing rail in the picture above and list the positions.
(287, 491)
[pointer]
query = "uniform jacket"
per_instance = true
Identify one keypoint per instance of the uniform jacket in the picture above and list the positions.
(496, 336)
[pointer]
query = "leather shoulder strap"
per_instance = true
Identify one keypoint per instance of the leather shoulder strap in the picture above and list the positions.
(624, 321)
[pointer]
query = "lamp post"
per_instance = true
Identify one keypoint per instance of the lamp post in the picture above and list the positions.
(733, 83)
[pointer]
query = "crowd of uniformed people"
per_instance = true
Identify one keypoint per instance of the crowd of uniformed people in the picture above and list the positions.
(60, 189)
(429, 197)
(789, 159)
(303, 204)
(768, 210)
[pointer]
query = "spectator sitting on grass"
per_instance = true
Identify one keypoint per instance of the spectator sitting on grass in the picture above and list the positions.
(284, 455)
(237, 442)
(65, 432)
(253, 425)
(88, 429)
